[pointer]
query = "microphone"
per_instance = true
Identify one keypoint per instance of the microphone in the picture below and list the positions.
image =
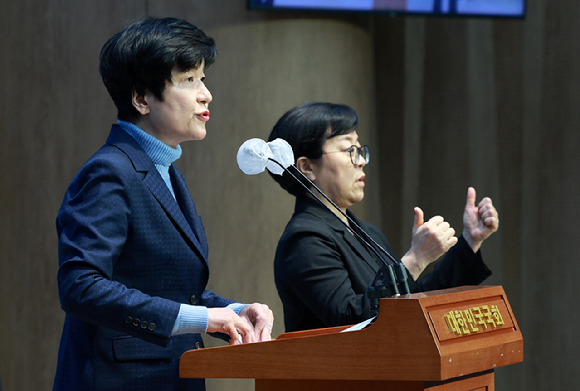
(255, 155)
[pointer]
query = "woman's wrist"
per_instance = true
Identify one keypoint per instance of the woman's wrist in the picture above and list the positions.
(413, 265)
(475, 245)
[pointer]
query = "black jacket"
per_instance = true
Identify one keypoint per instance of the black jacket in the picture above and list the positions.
(322, 271)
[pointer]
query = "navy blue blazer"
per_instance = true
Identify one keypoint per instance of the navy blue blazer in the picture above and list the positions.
(322, 271)
(129, 254)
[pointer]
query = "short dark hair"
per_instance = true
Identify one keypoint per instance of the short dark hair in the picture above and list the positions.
(142, 56)
(306, 128)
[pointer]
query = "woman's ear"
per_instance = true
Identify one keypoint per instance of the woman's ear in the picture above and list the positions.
(305, 165)
(140, 103)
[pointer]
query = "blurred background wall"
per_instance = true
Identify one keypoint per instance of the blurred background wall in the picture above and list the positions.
(444, 104)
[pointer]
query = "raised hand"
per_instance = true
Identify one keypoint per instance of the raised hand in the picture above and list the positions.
(430, 240)
(480, 221)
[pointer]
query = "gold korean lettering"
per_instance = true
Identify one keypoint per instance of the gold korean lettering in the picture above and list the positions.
(478, 315)
(489, 318)
(497, 315)
(470, 320)
(452, 323)
(461, 322)
(473, 320)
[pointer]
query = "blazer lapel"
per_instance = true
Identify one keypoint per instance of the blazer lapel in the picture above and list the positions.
(157, 186)
(315, 208)
(357, 246)
(187, 206)
(160, 191)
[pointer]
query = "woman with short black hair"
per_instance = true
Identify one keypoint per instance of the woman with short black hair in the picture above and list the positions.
(133, 255)
(322, 271)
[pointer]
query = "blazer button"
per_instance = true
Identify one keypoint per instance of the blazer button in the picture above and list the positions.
(193, 300)
(136, 322)
(128, 320)
(151, 326)
(198, 345)
(144, 325)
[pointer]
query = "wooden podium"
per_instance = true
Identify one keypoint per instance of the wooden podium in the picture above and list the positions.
(448, 340)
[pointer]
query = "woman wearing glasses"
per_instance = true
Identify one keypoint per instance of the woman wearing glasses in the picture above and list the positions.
(322, 270)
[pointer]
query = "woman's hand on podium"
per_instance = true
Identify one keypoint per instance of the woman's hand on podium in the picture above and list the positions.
(261, 317)
(254, 324)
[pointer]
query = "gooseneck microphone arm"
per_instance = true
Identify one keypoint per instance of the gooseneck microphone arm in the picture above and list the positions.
(355, 233)
(392, 274)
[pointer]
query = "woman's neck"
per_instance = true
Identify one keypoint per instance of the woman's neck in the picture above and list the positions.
(333, 209)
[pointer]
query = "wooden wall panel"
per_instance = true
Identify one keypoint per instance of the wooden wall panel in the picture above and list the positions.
(59, 113)
(53, 115)
(499, 111)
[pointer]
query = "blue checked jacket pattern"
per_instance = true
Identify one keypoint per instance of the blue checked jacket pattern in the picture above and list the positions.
(129, 255)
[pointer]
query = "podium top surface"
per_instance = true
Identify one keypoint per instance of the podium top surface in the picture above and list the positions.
(435, 335)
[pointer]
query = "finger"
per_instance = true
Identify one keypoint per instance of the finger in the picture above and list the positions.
(266, 333)
(436, 220)
(246, 332)
(444, 235)
(419, 217)
(485, 202)
(244, 329)
(248, 337)
(267, 319)
(260, 325)
(492, 223)
(488, 212)
(444, 227)
(452, 241)
(233, 333)
(243, 333)
(470, 198)
(259, 316)
(448, 232)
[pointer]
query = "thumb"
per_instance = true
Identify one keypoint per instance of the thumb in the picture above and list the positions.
(419, 217)
(470, 198)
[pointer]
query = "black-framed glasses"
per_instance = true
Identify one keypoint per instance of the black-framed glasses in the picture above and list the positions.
(356, 153)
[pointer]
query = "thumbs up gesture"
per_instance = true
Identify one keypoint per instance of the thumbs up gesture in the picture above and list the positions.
(430, 240)
(480, 221)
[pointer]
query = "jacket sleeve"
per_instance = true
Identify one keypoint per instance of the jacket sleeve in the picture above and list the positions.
(210, 300)
(459, 266)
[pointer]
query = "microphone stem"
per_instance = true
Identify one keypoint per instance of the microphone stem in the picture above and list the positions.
(351, 221)
(391, 273)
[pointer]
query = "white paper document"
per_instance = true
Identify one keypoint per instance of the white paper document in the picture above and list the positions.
(360, 326)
